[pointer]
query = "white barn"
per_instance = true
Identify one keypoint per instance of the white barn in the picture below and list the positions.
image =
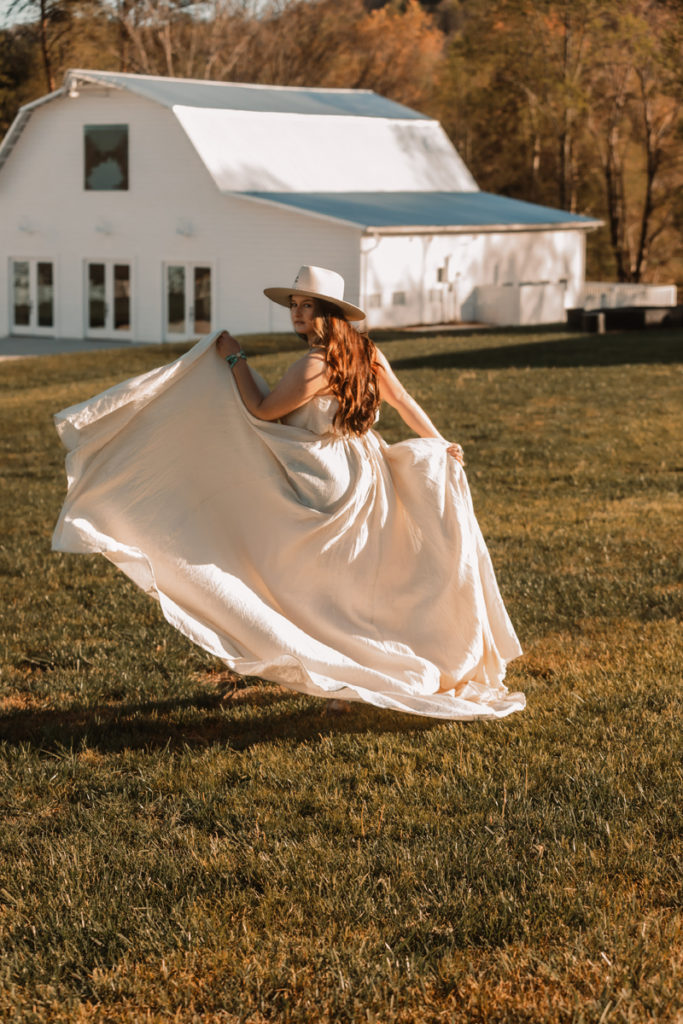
(155, 209)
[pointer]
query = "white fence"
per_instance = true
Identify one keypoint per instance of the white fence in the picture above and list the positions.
(606, 295)
(520, 304)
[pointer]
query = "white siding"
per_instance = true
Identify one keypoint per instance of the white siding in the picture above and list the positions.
(172, 212)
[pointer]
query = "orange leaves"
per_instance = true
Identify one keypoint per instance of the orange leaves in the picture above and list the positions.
(407, 50)
(395, 52)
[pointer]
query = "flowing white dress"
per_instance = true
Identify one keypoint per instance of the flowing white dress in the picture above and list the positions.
(334, 565)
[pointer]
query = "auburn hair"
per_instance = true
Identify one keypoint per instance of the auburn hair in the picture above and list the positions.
(352, 369)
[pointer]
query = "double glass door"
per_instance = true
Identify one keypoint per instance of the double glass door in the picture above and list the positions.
(108, 299)
(188, 304)
(33, 296)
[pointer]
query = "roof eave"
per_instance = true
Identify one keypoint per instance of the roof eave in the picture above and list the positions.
(419, 229)
(73, 76)
(468, 229)
(19, 123)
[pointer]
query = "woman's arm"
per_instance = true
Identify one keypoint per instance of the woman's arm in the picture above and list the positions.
(412, 414)
(303, 380)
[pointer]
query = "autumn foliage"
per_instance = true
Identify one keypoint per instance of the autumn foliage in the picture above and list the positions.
(576, 104)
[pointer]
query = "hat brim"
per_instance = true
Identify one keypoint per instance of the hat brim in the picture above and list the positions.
(283, 295)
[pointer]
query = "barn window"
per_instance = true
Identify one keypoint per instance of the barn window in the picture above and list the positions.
(374, 300)
(399, 298)
(106, 157)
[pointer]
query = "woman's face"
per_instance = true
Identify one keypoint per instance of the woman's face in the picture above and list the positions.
(303, 313)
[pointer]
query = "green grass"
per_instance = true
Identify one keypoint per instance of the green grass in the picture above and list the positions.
(178, 844)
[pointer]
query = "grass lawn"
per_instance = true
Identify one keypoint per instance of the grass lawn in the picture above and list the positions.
(178, 844)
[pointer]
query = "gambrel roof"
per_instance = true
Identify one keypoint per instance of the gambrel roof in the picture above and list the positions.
(277, 99)
(283, 138)
(345, 154)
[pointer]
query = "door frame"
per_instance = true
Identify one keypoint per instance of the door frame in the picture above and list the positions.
(108, 332)
(189, 265)
(19, 330)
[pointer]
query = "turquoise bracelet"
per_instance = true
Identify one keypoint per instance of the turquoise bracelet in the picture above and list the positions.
(231, 360)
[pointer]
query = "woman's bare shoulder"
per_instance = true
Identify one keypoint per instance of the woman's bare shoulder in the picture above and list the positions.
(311, 366)
(312, 357)
(316, 357)
(391, 389)
(384, 367)
(386, 372)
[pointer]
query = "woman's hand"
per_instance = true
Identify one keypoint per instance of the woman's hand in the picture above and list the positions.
(456, 452)
(227, 345)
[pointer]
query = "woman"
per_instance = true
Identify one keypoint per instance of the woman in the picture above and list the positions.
(340, 362)
(282, 534)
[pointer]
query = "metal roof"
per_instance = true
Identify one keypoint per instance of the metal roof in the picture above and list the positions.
(248, 151)
(440, 211)
(280, 99)
(252, 137)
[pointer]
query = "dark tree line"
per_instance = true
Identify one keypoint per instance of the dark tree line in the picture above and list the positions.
(571, 103)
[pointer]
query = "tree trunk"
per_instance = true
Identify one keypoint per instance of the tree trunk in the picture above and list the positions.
(565, 140)
(123, 40)
(652, 162)
(614, 192)
(47, 66)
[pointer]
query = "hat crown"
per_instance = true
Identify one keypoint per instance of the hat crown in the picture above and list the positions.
(319, 281)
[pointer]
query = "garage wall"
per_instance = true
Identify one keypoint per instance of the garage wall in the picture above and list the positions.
(412, 279)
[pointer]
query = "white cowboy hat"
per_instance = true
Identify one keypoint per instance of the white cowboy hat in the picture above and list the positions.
(317, 283)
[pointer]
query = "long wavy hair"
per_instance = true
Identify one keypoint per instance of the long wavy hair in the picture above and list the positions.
(352, 369)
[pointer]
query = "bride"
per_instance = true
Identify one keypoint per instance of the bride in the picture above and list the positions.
(281, 533)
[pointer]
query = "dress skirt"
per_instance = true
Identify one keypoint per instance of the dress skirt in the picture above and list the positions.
(338, 566)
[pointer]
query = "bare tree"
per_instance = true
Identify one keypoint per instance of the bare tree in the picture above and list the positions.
(182, 38)
(50, 18)
(636, 122)
(577, 103)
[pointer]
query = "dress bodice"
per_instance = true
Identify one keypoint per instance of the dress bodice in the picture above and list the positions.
(316, 415)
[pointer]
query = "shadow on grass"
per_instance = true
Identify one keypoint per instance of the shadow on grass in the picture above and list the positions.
(264, 715)
(617, 348)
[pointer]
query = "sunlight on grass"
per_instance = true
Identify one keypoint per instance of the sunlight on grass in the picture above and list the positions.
(181, 844)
